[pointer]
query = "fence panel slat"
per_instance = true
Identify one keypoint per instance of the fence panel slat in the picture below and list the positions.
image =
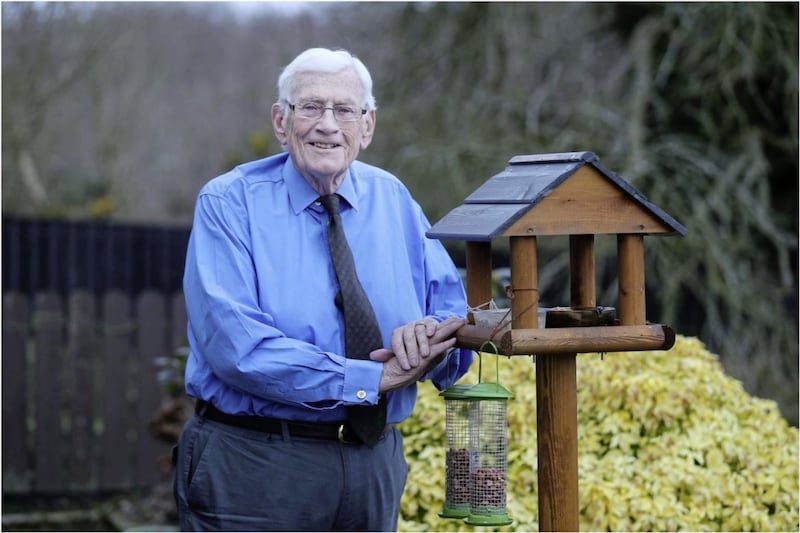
(48, 323)
(16, 327)
(118, 447)
(178, 320)
(152, 342)
(82, 355)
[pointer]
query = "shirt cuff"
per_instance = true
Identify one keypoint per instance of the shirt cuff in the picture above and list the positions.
(361, 381)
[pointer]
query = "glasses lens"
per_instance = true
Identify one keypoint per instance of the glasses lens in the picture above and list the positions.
(345, 113)
(314, 111)
(309, 110)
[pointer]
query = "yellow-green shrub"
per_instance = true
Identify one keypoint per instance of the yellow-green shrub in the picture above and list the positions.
(666, 442)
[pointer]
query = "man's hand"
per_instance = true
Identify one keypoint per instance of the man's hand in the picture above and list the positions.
(416, 347)
(413, 343)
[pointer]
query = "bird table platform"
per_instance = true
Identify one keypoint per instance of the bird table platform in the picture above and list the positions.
(558, 194)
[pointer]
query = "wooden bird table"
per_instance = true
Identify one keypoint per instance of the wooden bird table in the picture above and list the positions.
(558, 194)
(556, 351)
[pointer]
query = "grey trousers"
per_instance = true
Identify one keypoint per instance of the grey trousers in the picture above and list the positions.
(233, 479)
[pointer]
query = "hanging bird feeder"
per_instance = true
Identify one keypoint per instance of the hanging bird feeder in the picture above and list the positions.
(488, 453)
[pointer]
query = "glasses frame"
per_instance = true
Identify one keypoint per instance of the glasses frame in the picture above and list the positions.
(323, 109)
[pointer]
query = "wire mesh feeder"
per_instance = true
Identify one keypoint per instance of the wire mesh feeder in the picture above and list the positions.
(456, 501)
(488, 454)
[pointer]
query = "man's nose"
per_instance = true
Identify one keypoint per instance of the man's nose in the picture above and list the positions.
(328, 120)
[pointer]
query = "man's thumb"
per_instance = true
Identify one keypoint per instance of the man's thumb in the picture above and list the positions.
(381, 355)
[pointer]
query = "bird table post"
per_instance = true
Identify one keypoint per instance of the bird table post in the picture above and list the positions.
(479, 273)
(556, 401)
(559, 194)
(631, 279)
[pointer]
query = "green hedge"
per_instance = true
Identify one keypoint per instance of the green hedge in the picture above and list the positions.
(667, 442)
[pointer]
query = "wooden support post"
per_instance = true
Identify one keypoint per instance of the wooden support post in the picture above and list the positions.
(582, 279)
(630, 252)
(557, 407)
(555, 377)
(479, 272)
(524, 283)
(557, 440)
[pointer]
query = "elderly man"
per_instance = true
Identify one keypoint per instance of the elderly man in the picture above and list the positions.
(315, 304)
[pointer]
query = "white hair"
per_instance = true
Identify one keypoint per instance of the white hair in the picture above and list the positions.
(324, 60)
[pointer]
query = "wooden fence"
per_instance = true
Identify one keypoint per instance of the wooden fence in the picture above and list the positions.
(80, 388)
(65, 255)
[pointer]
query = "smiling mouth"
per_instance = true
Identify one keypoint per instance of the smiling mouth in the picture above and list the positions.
(325, 146)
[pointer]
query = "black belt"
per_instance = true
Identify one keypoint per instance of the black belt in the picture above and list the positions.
(328, 431)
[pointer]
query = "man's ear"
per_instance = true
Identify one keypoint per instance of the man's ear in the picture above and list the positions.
(369, 129)
(279, 123)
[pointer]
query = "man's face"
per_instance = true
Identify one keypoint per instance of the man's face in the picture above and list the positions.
(322, 149)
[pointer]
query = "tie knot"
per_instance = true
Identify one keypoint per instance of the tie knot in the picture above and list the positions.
(330, 202)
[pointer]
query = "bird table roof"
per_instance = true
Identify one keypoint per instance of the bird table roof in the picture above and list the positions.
(554, 194)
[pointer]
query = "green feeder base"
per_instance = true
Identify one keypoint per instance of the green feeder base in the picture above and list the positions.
(501, 519)
(451, 512)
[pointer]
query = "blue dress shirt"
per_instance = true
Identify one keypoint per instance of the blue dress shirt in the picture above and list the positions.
(265, 335)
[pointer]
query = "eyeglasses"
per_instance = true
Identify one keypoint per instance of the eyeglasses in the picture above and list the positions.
(315, 110)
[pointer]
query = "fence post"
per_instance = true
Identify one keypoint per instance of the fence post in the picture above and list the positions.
(48, 324)
(82, 357)
(16, 328)
(118, 448)
(153, 336)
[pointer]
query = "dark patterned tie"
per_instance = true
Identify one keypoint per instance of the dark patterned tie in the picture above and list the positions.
(362, 333)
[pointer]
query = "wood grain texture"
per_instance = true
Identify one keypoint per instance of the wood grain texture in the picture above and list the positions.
(524, 283)
(587, 203)
(630, 256)
(570, 340)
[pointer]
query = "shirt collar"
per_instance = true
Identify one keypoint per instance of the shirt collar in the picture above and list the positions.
(302, 194)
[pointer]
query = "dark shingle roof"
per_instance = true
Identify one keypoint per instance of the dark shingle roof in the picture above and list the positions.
(494, 206)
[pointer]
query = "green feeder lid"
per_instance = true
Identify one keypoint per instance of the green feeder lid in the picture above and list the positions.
(456, 392)
(488, 391)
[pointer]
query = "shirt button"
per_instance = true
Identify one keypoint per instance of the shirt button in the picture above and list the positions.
(361, 394)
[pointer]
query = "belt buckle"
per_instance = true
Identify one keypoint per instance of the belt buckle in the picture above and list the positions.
(343, 437)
